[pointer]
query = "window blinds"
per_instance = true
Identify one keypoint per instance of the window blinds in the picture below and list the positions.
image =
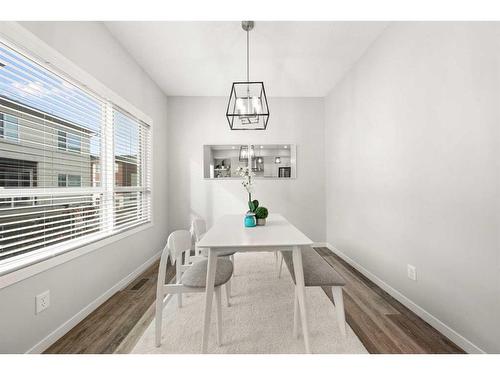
(132, 173)
(73, 166)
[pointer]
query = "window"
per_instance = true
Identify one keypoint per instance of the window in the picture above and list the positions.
(9, 128)
(132, 177)
(61, 140)
(62, 180)
(74, 180)
(68, 142)
(99, 186)
(69, 180)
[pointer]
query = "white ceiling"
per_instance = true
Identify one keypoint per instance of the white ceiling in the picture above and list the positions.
(293, 59)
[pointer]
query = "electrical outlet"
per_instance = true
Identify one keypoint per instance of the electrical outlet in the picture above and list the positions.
(412, 272)
(42, 301)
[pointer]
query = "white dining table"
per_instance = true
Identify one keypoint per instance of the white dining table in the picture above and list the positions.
(229, 232)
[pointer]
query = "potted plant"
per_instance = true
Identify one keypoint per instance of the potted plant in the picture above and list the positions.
(261, 215)
(260, 212)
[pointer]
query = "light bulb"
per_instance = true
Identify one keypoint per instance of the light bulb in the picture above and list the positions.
(256, 107)
(240, 106)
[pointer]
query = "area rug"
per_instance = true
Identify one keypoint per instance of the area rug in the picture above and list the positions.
(259, 320)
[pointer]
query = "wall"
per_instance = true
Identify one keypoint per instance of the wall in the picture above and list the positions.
(75, 284)
(196, 121)
(412, 134)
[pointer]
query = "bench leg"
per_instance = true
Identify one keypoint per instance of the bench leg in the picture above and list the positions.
(281, 267)
(228, 292)
(234, 268)
(339, 308)
(296, 315)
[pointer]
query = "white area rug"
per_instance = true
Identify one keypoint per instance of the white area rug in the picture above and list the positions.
(259, 320)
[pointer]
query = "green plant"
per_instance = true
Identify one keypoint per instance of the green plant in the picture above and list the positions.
(261, 212)
(253, 205)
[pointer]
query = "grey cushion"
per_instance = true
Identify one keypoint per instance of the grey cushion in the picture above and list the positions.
(224, 253)
(317, 272)
(196, 275)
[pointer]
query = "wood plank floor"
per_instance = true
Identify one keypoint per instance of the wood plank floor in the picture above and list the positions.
(382, 324)
(106, 328)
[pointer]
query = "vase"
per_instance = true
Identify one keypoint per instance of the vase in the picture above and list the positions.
(250, 220)
(261, 222)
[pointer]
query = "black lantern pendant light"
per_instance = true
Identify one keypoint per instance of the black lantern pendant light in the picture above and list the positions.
(247, 108)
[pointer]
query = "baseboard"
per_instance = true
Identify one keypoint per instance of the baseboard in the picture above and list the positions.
(451, 334)
(83, 313)
(320, 244)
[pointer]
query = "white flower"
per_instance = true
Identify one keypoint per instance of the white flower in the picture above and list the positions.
(247, 175)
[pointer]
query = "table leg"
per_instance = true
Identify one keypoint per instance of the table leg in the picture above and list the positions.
(299, 279)
(209, 297)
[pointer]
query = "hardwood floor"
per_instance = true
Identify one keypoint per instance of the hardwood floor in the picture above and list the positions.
(105, 330)
(382, 324)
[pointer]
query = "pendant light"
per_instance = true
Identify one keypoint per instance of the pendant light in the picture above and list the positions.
(244, 153)
(247, 107)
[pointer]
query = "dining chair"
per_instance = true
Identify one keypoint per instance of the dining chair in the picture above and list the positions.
(199, 228)
(190, 279)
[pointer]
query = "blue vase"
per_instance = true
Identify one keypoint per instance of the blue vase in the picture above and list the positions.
(250, 220)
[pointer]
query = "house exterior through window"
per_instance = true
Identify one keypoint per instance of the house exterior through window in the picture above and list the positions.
(74, 167)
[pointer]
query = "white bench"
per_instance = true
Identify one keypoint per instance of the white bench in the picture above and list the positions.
(318, 273)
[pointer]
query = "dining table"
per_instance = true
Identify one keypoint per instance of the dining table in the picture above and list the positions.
(278, 234)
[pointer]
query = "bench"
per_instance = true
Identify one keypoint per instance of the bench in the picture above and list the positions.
(318, 273)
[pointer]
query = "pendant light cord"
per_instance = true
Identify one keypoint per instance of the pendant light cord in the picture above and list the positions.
(248, 58)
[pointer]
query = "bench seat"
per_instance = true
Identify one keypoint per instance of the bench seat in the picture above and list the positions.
(317, 272)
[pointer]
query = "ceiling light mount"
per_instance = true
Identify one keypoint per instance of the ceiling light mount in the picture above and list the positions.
(247, 108)
(247, 25)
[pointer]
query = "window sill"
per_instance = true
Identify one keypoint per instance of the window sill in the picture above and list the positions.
(15, 271)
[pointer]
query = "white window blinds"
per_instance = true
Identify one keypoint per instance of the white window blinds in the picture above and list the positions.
(132, 172)
(73, 166)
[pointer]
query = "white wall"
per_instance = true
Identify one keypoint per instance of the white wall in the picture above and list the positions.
(75, 284)
(195, 121)
(412, 134)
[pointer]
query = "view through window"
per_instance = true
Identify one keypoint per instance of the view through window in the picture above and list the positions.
(68, 170)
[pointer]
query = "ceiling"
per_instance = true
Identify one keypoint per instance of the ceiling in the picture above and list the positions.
(293, 59)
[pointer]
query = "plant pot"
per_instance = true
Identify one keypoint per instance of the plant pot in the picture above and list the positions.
(261, 221)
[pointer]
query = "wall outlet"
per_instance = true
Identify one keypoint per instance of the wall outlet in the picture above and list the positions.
(42, 301)
(412, 272)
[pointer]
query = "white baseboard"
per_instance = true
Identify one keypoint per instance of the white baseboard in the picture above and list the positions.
(451, 334)
(320, 244)
(83, 313)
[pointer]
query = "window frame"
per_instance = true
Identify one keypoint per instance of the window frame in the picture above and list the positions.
(64, 140)
(3, 129)
(66, 177)
(13, 35)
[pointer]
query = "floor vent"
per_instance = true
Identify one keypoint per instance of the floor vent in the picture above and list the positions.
(139, 284)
